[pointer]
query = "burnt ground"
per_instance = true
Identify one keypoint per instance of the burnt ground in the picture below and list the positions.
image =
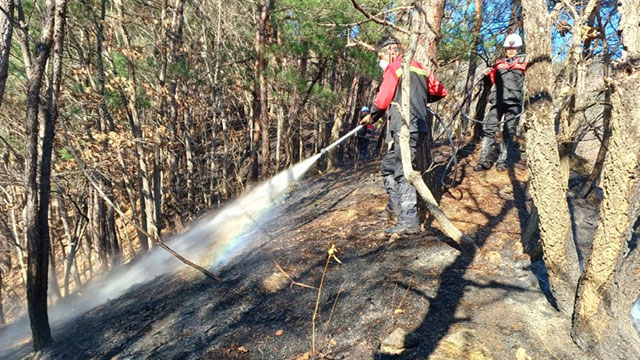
(483, 304)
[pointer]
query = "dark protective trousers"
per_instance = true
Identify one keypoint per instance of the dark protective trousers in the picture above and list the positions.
(492, 125)
(403, 198)
(363, 147)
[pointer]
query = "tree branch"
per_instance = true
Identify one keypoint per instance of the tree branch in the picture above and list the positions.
(376, 20)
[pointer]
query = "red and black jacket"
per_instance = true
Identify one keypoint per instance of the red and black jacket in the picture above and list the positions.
(425, 88)
(508, 76)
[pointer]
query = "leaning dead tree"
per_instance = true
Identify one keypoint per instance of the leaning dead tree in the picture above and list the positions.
(410, 174)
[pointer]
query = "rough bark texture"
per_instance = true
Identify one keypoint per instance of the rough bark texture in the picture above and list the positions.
(609, 285)
(548, 187)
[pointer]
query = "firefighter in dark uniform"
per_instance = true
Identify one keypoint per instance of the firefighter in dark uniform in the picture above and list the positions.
(424, 89)
(507, 75)
(362, 136)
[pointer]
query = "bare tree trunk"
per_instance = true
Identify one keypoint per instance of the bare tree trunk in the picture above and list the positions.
(473, 65)
(2, 319)
(431, 21)
(279, 130)
(98, 232)
(514, 22)
(410, 174)
(71, 239)
(23, 37)
(576, 68)
(261, 111)
(548, 187)
(54, 288)
(145, 189)
(106, 125)
(6, 30)
(338, 122)
(177, 71)
(609, 286)
(37, 237)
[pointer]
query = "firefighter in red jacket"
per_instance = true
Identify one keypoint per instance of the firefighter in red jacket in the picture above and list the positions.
(424, 89)
(508, 77)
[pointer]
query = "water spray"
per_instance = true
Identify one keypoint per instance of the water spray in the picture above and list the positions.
(345, 137)
(213, 241)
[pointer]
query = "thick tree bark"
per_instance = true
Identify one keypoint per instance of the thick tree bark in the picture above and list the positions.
(609, 286)
(548, 187)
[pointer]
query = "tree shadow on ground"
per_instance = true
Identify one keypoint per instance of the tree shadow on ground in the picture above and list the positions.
(441, 314)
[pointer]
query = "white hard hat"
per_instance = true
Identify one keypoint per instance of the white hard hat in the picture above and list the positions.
(512, 41)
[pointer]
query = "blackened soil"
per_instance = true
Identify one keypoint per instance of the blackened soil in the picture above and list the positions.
(483, 304)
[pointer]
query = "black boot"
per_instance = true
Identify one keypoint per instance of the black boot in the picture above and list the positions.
(505, 145)
(484, 163)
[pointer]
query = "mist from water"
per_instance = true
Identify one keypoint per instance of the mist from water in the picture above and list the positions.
(211, 242)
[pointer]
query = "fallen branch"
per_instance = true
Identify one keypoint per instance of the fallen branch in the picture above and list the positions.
(293, 282)
(410, 174)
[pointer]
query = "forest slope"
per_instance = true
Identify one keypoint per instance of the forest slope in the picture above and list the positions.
(486, 304)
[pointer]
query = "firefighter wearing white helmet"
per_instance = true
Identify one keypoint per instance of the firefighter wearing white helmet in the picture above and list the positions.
(512, 41)
(507, 76)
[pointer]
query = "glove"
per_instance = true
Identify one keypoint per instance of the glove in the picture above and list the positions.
(365, 120)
